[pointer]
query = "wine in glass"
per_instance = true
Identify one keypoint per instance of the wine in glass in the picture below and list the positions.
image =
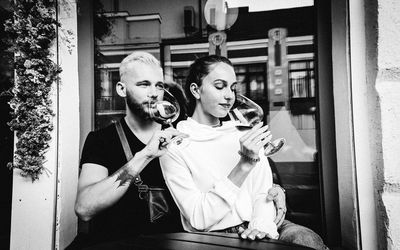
(165, 111)
(248, 114)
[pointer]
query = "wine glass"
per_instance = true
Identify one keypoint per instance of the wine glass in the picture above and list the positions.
(165, 111)
(248, 114)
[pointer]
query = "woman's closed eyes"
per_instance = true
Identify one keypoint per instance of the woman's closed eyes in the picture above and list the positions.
(221, 84)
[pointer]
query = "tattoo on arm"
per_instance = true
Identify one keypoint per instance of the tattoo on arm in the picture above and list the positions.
(124, 177)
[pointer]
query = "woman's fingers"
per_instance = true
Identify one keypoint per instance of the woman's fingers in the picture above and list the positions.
(255, 139)
(266, 140)
(260, 142)
(244, 234)
(253, 133)
(263, 138)
(249, 133)
(257, 133)
(261, 235)
(252, 234)
(241, 230)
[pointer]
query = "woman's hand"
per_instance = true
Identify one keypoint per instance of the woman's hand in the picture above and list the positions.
(250, 145)
(160, 140)
(252, 234)
(253, 141)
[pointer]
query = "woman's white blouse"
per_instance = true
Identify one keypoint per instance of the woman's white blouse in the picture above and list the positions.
(196, 173)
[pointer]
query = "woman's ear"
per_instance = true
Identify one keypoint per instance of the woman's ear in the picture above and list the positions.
(121, 89)
(194, 89)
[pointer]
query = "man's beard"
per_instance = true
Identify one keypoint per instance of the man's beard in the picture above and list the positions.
(137, 108)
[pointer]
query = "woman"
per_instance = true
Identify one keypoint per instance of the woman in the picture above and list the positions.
(219, 177)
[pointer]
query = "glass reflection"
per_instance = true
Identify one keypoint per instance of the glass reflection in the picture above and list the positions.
(273, 56)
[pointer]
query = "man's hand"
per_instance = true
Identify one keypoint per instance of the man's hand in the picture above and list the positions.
(158, 144)
(277, 195)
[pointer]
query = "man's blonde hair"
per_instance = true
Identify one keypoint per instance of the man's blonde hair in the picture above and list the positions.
(137, 56)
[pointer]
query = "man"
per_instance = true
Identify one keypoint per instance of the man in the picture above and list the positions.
(104, 196)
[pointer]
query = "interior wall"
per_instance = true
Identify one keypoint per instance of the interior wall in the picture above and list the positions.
(68, 125)
(384, 84)
(374, 123)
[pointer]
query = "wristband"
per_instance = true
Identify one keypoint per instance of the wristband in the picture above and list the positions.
(248, 157)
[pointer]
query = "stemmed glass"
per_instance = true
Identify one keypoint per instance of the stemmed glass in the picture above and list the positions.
(248, 114)
(165, 111)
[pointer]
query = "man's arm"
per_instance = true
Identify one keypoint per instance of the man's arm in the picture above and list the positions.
(277, 194)
(98, 191)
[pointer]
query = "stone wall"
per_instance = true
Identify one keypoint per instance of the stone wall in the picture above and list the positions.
(387, 85)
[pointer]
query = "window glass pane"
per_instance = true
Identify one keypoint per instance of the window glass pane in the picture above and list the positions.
(298, 84)
(273, 61)
(312, 84)
(180, 75)
(252, 79)
(241, 87)
(256, 87)
(240, 69)
(109, 105)
(256, 68)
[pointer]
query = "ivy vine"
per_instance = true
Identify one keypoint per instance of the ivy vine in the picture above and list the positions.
(33, 28)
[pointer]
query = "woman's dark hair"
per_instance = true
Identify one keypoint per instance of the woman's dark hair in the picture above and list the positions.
(199, 69)
(177, 91)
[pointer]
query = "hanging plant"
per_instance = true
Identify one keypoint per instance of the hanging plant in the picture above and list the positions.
(33, 28)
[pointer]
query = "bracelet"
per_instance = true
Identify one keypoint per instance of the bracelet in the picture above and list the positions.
(248, 157)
